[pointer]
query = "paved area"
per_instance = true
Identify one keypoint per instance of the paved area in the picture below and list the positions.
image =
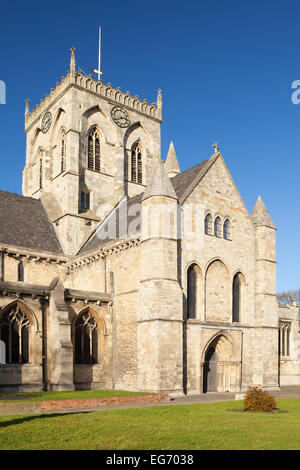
(284, 392)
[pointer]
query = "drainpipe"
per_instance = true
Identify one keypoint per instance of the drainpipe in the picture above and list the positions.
(242, 347)
(44, 346)
(112, 344)
(2, 267)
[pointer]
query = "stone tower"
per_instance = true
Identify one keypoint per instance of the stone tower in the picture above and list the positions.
(265, 350)
(88, 144)
(159, 317)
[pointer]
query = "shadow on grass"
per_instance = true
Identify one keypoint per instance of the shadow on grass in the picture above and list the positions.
(11, 422)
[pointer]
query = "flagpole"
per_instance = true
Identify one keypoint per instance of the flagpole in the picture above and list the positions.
(99, 58)
(98, 71)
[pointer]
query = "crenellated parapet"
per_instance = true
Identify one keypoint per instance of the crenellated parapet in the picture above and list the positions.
(86, 82)
(34, 114)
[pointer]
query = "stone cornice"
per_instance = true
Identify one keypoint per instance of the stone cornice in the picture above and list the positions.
(87, 296)
(22, 288)
(98, 254)
(18, 288)
(31, 255)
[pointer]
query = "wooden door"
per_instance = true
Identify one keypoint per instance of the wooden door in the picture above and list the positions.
(210, 371)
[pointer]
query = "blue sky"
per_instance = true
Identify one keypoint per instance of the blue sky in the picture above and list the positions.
(225, 68)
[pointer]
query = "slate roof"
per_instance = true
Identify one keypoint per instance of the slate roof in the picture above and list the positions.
(125, 220)
(25, 223)
(180, 184)
(182, 181)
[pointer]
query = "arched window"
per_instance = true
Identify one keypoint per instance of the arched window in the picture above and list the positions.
(86, 339)
(136, 163)
(94, 150)
(208, 225)
(237, 296)
(14, 329)
(192, 291)
(63, 151)
(218, 227)
(284, 344)
(226, 230)
(21, 272)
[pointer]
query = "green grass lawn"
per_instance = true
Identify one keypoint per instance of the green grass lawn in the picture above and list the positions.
(200, 426)
(40, 396)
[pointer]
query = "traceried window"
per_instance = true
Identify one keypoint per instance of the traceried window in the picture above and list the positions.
(94, 150)
(208, 225)
(14, 332)
(63, 152)
(218, 227)
(21, 272)
(86, 339)
(284, 338)
(136, 163)
(226, 230)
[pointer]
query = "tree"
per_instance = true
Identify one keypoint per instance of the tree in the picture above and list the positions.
(288, 296)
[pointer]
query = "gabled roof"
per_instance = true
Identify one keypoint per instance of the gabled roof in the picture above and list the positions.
(184, 180)
(24, 223)
(123, 220)
(131, 218)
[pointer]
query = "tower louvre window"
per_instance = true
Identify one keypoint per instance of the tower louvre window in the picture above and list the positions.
(40, 160)
(94, 151)
(63, 151)
(136, 164)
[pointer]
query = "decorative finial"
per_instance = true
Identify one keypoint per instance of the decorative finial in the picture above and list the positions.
(159, 99)
(72, 61)
(215, 146)
(27, 107)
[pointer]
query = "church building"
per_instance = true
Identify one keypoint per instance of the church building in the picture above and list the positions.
(119, 271)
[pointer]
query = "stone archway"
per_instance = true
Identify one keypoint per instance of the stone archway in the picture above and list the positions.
(221, 368)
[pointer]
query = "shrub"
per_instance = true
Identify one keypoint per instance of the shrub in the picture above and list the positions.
(257, 399)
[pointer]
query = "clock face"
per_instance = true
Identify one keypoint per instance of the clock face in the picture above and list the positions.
(120, 116)
(46, 122)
